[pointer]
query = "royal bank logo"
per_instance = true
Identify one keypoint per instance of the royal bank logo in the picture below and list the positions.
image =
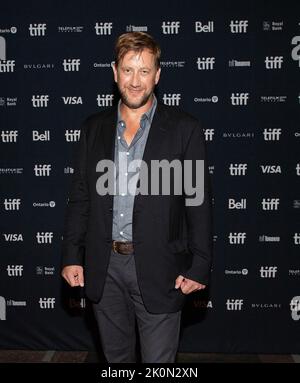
(12, 204)
(72, 135)
(44, 237)
(205, 28)
(8, 101)
(239, 99)
(296, 50)
(42, 170)
(9, 136)
(268, 271)
(14, 270)
(273, 62)
(37, 136)
(234, 304)
(40, 101)
(237, 205)
(47, 303)
(103, 28)
(37, 29)
(295, 307)
(205, 63)
(171, 99)
(170, 27)
(272, 25)
(238, 169)
(270, 203)
(105, 100)
(45, 270)
(272, 134)
(238, 26)
(237, 238)
(71, 65)
(2, 308)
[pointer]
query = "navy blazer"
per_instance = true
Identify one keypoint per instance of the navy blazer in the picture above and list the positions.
(169, 237)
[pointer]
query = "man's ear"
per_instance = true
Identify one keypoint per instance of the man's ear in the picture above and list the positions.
(115, 71)
(157, 76)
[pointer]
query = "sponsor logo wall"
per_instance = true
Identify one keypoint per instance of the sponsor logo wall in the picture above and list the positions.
(237, 69)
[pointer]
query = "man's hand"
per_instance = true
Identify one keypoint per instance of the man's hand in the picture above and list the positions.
(188, 285)
(73, 275)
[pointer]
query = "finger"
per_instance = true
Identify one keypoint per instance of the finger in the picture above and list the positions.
(178, 281)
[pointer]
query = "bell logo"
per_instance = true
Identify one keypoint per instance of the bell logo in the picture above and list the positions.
(295, 307)
(2, 48)
(2, 308)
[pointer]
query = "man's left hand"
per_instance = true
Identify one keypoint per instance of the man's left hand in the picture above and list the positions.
(188, 285)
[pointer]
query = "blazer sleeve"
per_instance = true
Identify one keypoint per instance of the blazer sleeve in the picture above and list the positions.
(77, 210)
(199, 217)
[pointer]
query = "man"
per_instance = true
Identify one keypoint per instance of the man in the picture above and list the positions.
(138, 254)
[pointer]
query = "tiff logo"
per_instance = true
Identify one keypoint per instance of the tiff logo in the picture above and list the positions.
(44, 237)
(270, 203)
(294, 306)
(105, 99)
(199, 27)
(7, 66)
(42, 170)
(12, 203)
(40, 101)
(239, 98)
(205, 63)
(2, 308)
(208, 134)
(298, 169)
(9, 135)
(238, 26)
(71, 65)
(297, 238)
(47, 303)
(268, 271)
(72, 135)
(237, 169)
(103, 28)
(14, 270)
(274, 62)
(237, 238)
(37, 29)
(234, 304)
(2, 48)
(171, 99)
(170, 27)
(36, 136)
(272, 134)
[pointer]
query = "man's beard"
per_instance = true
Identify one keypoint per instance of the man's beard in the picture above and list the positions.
(137, 104)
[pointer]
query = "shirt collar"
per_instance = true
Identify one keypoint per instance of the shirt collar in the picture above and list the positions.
(149, 114)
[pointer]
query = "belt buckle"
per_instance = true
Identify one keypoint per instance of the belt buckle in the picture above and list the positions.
(114, 246)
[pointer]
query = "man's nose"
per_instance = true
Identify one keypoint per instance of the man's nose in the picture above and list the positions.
(135, 80)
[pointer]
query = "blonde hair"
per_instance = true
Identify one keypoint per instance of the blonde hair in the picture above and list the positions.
(136, 41)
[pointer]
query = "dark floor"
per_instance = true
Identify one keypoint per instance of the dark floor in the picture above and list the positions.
(22, 356)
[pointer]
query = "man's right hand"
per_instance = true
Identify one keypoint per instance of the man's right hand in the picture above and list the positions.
(73, 275)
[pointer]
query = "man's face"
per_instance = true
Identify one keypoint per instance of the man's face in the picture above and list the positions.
(136, 76)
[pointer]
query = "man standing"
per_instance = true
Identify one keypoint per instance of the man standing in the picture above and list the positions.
(138, 253)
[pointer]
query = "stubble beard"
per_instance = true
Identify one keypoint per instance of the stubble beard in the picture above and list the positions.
(135, 105)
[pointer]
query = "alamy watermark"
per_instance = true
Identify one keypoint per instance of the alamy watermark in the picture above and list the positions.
(188, 178)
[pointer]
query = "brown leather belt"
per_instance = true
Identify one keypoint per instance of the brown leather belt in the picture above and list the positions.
(121, 247)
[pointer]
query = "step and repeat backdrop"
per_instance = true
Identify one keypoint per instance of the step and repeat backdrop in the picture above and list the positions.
(235, 66)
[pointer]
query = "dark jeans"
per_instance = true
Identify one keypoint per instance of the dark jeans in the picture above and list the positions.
(121, 307)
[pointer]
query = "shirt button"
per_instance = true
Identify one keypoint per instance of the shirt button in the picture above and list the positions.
(121, 232)
(119, 137)
(121, 214)
(122, 194)
(127, 153)
(126, 174)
